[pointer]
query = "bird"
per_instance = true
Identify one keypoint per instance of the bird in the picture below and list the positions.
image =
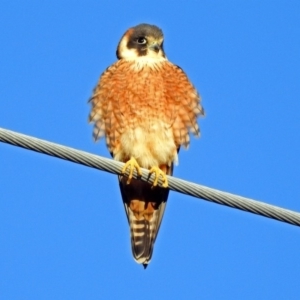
(146, 107)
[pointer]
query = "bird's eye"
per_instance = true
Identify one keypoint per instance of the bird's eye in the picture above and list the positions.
(141, 40)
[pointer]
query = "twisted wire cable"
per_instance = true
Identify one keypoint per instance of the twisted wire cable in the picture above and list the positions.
(175, 184)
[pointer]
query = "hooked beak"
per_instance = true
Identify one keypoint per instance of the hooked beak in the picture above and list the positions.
(155, 47)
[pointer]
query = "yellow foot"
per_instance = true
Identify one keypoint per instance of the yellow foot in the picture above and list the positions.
(158, 172)
(132, 164)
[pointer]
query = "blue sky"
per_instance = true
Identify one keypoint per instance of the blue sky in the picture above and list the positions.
(63, 229)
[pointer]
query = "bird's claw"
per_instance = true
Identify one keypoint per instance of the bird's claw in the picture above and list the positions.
(158, 172)
(131, 164)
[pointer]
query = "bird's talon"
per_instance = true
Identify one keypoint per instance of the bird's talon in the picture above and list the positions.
(158, 172)
(132, 164)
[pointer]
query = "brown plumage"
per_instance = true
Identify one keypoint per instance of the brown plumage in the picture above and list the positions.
(145, 106)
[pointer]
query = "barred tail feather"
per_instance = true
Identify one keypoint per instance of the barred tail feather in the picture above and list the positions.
(144, 233)
(144, 208)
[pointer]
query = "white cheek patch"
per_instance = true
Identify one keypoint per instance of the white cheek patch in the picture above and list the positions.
(129, 53)
(126, 53)
(123, 50)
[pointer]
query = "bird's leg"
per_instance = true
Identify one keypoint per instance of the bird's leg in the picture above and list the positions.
(158, 172)
(131, 164)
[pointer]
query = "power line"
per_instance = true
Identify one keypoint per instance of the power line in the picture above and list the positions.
(175, 184)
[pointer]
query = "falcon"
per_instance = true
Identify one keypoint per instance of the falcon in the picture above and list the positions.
(145, 106)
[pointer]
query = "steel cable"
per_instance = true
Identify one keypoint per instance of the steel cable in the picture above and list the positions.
(175, 184)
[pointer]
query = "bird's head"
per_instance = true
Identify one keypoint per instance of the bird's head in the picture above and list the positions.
(141, 41)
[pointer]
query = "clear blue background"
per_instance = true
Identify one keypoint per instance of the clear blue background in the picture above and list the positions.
(63, 229)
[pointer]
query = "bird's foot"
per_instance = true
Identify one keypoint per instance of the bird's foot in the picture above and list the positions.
(131, 164)
(158, 172)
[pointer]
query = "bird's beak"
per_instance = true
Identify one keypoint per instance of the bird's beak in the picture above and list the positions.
(155, 47)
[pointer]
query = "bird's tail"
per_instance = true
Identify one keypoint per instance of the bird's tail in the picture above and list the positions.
(144, 206)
